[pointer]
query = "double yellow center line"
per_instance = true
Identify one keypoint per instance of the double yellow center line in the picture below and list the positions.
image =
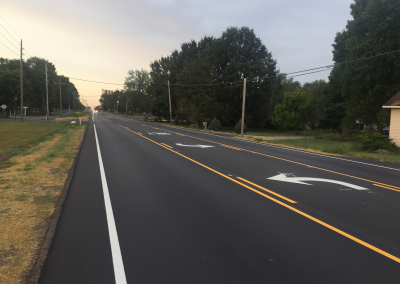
(326, 225)
(387, 186)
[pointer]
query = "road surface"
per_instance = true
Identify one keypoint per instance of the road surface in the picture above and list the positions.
(149, 203)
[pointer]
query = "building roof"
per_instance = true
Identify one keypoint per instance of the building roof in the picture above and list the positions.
(394, 102)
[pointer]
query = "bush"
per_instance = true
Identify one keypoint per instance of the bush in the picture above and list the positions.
(238, 127)
(215, 125)
(192, 125)
(374, 141)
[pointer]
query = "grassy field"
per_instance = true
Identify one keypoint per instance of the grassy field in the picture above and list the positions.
(31, 182)
(16, 135)
(344, 148)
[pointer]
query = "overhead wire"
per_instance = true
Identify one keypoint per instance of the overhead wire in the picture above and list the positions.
(17, 35)
(9, 41)
(9, 48)
(96, 81)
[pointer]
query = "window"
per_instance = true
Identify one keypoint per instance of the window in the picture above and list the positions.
(34, 110)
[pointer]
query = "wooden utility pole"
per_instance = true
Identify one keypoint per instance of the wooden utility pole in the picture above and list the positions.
(47, 93)
(126, 113)
(59, 78)
(244, 106)
(22, 88)
(170, 109)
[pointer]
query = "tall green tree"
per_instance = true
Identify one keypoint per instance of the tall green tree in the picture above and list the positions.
(136, 89)
(363, 86)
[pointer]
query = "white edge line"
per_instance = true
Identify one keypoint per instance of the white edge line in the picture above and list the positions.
(119, 271)
(284, 148)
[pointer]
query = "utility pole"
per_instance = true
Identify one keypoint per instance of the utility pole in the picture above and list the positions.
(47, 93)
(69, 112)
(22, 88)
(126, 114)
(59, 78)
(170, 109)
(117, 106)
(243, 107)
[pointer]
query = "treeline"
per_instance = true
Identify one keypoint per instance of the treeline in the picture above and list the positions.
(34, 85)
(206, 78)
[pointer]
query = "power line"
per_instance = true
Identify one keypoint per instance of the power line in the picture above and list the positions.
(16, 34)
(9, 33)
(9, 41)
(9, 48)
(96, 82)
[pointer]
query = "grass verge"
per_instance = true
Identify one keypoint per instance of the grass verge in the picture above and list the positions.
(29, 189)
(343, 148)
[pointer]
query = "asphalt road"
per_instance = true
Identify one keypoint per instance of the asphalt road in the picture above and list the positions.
(155, 204)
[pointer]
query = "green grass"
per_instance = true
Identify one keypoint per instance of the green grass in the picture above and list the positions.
(336, 147)
(21, 135)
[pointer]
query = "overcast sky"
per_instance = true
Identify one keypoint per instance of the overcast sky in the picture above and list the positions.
(101, 40)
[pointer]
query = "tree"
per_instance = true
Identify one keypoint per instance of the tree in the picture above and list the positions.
(317, 91)
(136, 89)
(215, 125)
(296, 110)
(333, 116)
(363, 86)
(237, 54)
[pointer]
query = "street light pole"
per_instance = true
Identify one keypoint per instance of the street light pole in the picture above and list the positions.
(117, 106)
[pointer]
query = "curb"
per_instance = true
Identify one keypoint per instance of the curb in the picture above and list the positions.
(33, 275)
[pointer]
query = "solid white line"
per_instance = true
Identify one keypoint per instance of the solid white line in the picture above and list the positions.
(119, 271)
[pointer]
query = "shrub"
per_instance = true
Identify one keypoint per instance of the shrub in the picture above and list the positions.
(215, 125)
(238, 127)
(192, 125)
(374, 141)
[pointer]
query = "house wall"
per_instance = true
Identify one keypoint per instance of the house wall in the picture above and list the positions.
(394, 132)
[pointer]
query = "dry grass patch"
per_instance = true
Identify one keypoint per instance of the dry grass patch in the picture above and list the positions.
(29, 190)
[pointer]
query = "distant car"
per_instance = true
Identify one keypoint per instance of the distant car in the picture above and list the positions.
(385, 131)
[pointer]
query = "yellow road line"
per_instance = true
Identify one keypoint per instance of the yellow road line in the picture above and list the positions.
(357, 240)
(290, 161)
(105, 118)
(167, 145)
(267, 190)
(387, 187)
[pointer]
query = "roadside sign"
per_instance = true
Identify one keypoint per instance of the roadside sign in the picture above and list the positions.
(3, 106)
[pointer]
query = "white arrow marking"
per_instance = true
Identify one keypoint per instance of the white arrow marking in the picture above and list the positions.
(198, 146)
(159, 133)
(73, 121)
(283, 177)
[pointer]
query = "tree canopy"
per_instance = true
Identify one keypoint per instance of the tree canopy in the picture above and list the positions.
(363, 86)
(34, 84)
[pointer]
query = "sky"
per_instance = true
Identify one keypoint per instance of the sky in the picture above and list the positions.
(101, 40)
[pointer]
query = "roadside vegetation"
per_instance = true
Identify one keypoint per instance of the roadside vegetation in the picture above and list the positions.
(203, 81)
(35, 161)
